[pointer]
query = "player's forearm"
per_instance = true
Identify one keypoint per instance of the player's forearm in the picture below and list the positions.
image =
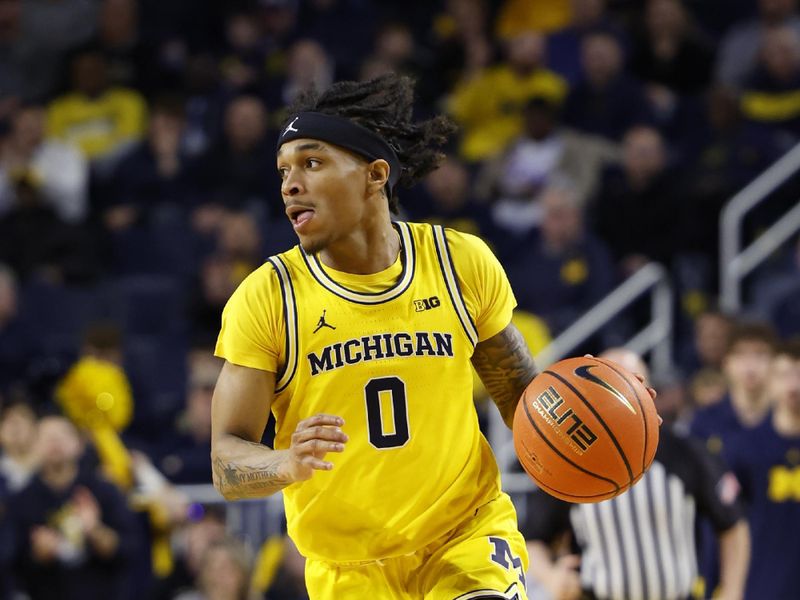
(505, 367)
(243, 469)
(734, 558)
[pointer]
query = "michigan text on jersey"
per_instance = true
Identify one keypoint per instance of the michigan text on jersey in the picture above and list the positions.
(379, 346)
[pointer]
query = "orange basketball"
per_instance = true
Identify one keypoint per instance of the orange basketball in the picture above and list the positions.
(585, 429)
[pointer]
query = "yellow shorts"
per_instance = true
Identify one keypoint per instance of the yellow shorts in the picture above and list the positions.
(483, 558)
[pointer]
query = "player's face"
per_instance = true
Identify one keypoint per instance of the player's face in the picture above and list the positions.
(324, 189)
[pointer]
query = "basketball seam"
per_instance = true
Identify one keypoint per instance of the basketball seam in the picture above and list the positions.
(563, 456)
(554, 490)
(641, 407)
(600, 420)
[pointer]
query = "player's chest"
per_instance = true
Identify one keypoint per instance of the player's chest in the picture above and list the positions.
(338, 334)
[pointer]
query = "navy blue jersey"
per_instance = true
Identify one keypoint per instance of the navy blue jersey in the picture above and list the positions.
(715, 424)
(768, 468)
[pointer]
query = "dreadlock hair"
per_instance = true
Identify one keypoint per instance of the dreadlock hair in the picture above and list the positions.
(384, 106)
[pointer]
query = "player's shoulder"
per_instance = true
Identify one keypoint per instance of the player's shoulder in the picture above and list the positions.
(269, 277)
(459, 243)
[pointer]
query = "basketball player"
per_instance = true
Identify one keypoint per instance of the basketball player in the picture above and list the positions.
(360, 341)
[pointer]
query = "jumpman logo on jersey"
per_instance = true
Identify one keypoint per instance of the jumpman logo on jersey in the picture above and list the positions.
(289, 127)
(322, 323)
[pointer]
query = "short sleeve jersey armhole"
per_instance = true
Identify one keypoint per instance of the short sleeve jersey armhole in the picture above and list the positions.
(483, 282)
(253, 329)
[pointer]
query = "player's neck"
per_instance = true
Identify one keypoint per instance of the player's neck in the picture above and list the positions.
(750, 407)
(365, 251)
(786, 422)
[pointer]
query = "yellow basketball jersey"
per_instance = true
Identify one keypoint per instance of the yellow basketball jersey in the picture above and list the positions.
(394, 363)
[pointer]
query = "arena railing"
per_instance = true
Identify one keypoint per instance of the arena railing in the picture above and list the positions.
(737, 262)
(654, 338)
(251, 521)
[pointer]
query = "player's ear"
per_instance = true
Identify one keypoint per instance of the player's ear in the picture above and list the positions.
(377, 175)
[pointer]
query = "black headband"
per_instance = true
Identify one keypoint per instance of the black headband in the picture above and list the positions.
(345, 133)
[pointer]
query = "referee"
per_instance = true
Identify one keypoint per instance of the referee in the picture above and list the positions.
(640, 545)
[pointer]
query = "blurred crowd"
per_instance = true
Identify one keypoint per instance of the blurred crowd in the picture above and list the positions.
(138, 188)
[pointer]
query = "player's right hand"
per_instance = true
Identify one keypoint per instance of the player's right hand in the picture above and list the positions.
(312, 439)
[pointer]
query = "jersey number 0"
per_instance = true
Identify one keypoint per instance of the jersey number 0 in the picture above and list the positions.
(395, 387)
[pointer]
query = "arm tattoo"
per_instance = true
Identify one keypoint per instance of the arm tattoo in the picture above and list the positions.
(506, 367)
(251, 475)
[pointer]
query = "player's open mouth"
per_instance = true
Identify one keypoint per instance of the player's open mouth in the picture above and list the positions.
(299, 216)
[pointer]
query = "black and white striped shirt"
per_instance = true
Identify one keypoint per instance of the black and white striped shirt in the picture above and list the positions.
(641, 545)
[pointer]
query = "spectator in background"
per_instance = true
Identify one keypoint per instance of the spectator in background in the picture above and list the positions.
(519, 16)
(707, 387)
(445, 198)
(489, 106)
(564, 46)
(709, 342)
(564, 270)
(224, 574)
(395, 51)
(637, 207)
(722, 152)
(239, 251)
(154, 173)
(331, 24)
(74, 532)
(513, 181)
(206, 100)
(670, 54)
(308, 67)
(766, 461)
(606, 101)
(234, 172)
(641, 543)
(100, 119)
(461, 47)
(58, 170)
(36, 243)
(192, 542)
(749, 353)
(131, 63)
(746, 365)
(18, 459)
(738, 51)
(35, 36)
(771, 94)
(244, 63)
(18, 335)
(185, 456)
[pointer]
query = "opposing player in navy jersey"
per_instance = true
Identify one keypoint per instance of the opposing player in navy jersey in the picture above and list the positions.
(766, 460)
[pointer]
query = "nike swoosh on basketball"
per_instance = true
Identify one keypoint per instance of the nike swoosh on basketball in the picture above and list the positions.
(583, 373)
